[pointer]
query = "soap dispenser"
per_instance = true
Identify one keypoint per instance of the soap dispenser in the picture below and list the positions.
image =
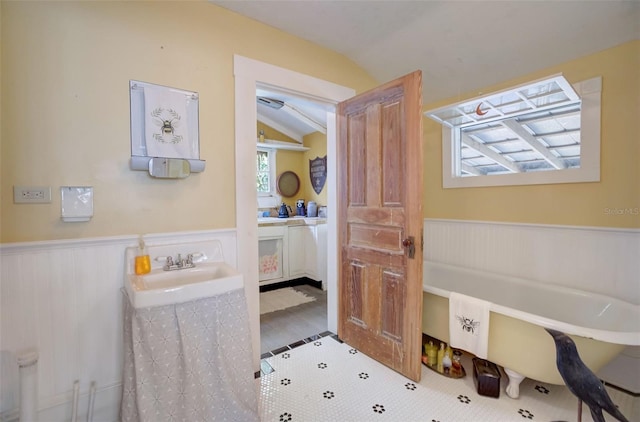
(142, 260)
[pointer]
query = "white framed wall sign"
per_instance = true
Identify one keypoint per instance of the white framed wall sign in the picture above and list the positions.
(164, 124)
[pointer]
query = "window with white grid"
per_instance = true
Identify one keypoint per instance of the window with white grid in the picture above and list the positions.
(532, 128)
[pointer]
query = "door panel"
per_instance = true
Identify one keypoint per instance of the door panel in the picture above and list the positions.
(380, 205)
(357, 162)
(356, 292)
(393, 313)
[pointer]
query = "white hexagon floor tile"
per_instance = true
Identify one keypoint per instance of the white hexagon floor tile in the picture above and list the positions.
(326, 380)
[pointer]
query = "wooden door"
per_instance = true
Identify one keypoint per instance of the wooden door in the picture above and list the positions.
(379, 208)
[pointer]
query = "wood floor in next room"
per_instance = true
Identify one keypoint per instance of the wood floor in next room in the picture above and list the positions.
(281, 328)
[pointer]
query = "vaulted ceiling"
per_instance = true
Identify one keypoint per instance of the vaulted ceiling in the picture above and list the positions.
(460, 46)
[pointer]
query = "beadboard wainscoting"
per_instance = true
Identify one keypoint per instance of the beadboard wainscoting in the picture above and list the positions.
(63, 299)
(594, 259)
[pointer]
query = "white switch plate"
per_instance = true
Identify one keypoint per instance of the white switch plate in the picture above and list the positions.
(32, 194)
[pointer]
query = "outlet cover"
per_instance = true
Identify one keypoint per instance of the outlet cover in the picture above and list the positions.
(32, 194)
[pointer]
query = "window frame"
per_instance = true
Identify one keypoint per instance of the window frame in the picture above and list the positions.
(269, 199)
(589, 171)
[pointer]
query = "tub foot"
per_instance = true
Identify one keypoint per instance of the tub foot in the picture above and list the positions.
(513, 388)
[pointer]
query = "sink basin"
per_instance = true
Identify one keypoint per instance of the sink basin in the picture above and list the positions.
(161, 287)
(157, 288)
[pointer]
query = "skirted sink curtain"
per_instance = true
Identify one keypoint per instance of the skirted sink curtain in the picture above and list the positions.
(189, 362)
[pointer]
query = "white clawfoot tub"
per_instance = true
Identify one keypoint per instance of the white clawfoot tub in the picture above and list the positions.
(601, 326)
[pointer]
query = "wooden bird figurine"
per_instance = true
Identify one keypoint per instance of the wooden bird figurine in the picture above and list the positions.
(581, 381)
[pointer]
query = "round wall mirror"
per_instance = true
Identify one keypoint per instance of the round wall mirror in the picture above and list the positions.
(288, 184)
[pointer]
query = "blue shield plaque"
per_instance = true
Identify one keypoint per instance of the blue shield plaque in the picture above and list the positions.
(318, 173)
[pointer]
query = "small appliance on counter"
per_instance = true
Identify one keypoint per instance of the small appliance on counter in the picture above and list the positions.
(300, 207)
(312, 209)
(283, 212)
(322, 212)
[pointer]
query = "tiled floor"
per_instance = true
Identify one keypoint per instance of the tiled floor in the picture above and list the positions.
(323, 379)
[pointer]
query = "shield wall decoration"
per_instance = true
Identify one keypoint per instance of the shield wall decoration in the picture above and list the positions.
(318, 173)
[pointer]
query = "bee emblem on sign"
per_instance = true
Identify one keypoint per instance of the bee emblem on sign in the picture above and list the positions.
(168, 120)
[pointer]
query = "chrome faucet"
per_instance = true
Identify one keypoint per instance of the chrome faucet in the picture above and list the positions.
(179, 263)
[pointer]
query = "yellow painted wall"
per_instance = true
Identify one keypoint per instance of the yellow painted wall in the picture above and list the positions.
(298, 162)
(65, 69)
(612, 202)
(65, 72)
(292, 161)
(272, 134)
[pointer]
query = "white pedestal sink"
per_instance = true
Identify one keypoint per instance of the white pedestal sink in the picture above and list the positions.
(187, 339)
(211, 276)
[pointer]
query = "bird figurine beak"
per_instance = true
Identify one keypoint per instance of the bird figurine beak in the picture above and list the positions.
(554, 333)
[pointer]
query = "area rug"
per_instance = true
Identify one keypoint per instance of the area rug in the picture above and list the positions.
(277, 300)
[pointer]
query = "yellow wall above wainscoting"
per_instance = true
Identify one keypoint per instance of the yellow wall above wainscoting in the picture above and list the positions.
(612, 202)
(271, 133)
(292, 161)
(65, 70)
(287, 160)
(298, 162)
(65, 73)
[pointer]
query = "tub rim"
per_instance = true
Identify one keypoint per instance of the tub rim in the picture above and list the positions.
(629, 338)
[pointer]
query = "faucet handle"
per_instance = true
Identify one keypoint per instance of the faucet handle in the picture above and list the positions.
(196, 256)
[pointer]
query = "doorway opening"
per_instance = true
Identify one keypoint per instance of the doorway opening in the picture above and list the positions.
(249, 76)
(291, 240)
